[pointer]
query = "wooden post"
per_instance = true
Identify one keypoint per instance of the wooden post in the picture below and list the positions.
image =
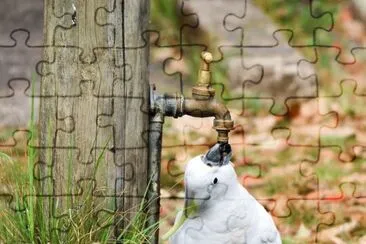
(94, 101)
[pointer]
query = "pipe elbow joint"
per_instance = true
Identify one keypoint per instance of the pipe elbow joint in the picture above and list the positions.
(223, 123)
(210, 107)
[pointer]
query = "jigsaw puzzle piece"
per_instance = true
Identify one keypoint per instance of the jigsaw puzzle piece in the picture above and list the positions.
(349, 212)
(172, 69)
(238, 24)
(168, 83)
(246, 128)
(18, 14)
(212, 31)
(191, 126)
(338, 70)
(348, 31)
(318, 22)
(330, 169)
(105, 59)
(168, 35)
(179, 76)
(263, 147)
(81, 111)
(302, 213)
(325, 171)
(18, 61)
(239, 71)
(18, 140)
(120, 36)
(174, 159)
(281, 159)
(357, 178)
(277, 75)
(105, 218)
(77, 19)
(125, 151)
(68, 212)
(12, 193)
(180, 67)
(98, 170)
(19, 104)
(305, 120)
(355, 67)
(349, 106)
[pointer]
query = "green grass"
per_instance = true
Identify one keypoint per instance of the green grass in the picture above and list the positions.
(305, 215)
(329, 173)
(344, 142)
(288, 240)
(5, 134)
(164, 17)
(297, 16)
(250, 170)
(27, 218)
(253, 106)
(276, 185)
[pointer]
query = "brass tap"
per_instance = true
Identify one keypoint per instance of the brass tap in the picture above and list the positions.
(203, 89)
(207, 108)
(203, 103)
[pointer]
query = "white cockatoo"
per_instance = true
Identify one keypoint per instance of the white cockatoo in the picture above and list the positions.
(218, 209)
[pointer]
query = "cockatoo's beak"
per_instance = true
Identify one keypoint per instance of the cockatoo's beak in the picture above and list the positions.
(218, 155)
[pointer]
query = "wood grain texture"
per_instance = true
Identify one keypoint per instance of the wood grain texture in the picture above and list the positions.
(95, 97)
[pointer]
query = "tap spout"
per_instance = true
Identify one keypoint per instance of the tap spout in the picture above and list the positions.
(206, 108)
(202, 103)
(211, 108)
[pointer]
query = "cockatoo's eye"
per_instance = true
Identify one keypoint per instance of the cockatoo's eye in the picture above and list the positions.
(215, 180)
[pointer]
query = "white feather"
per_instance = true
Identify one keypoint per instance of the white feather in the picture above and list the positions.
(226, 212)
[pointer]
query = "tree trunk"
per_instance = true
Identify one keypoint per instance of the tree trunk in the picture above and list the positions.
(94, 106)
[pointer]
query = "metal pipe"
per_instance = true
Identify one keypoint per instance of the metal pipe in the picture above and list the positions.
(155, 142)
(202, 104)
(177, 106)
(206, 108)
(211, 108)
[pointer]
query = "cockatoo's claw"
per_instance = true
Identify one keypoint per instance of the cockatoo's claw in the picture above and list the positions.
(218, 155)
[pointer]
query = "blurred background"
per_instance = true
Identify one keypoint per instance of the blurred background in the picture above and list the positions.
(291, 73)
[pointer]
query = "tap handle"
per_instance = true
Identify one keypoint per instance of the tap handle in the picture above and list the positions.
(203, 90)
(206, 60)
(204, 74)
